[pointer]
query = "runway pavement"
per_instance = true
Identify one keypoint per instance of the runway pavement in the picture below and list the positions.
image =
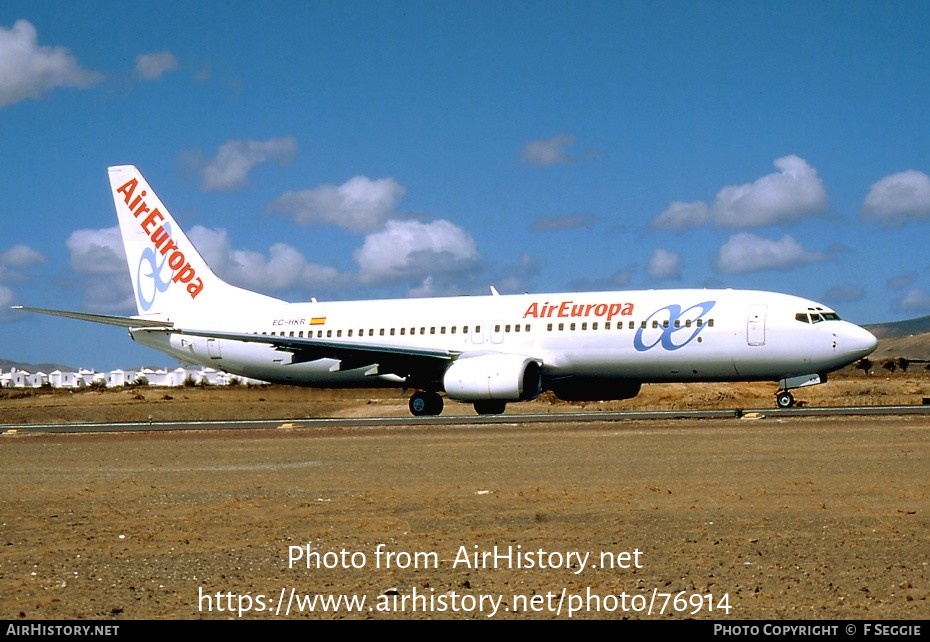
(446, 420)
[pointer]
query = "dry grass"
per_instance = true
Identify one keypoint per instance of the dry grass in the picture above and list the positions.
(132, 404)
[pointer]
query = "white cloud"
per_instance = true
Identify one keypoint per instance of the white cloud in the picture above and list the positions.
(792, 193)
(28, 71)
(284, 268)
(405, 249)
(150, 66)
(98, 258)
(914, 300)
(21, 256)
(15, 259)
(898, 198)
(664, 264)
(6, 300)
(746, 252)
(845, 293)
(901, 281)
(679, 215)
(230, 168)
(360, 204)
(551, 151)
(97, 251)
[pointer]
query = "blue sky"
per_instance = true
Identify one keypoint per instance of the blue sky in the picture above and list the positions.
(345, 150)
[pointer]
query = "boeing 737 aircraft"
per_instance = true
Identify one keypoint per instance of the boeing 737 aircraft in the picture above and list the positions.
(485, 350)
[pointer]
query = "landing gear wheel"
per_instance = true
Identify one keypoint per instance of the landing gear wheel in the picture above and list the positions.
(784, 399)
(424, 404)
(490, 407)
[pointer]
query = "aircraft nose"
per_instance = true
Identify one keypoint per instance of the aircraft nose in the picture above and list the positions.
(858, 342)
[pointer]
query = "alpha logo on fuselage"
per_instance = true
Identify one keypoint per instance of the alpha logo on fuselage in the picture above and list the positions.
(674, 327)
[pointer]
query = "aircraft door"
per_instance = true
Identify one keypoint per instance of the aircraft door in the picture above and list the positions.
(213, 349)
(477, 333)
(755, 324)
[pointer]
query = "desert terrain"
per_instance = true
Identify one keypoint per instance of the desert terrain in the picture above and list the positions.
(725, 519)
(849, 387)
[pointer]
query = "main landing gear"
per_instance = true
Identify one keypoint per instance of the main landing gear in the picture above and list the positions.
(425, 404)
(429, 404)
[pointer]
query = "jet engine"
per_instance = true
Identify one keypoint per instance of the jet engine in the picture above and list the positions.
(504, 377)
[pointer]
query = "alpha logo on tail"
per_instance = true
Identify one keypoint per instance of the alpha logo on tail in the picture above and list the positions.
(151, 266)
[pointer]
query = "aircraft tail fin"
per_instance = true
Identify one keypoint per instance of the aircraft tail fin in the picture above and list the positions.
(169, 276)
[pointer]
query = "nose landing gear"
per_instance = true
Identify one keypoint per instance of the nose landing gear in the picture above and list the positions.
(784, 399)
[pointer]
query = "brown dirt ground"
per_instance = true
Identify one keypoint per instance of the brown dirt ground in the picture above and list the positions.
(789, 518)
(848, 387)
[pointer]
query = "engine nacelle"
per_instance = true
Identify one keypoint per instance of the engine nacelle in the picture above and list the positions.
(504, 377)
(595, 389)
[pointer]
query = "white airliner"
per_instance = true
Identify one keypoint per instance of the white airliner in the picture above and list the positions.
(485, 350)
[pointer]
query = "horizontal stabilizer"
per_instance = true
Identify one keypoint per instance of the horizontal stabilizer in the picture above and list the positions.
(109, 319)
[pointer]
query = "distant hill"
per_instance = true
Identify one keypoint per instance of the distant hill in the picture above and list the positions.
(920, 325)
(7, 366)
(909, 339)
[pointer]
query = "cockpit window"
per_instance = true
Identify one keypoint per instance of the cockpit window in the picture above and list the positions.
(816, 315)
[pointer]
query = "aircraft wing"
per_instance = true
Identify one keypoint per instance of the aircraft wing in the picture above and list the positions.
(398, 360)
(402, 361)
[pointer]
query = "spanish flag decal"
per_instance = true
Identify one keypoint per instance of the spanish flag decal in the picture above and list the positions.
(317, 320)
